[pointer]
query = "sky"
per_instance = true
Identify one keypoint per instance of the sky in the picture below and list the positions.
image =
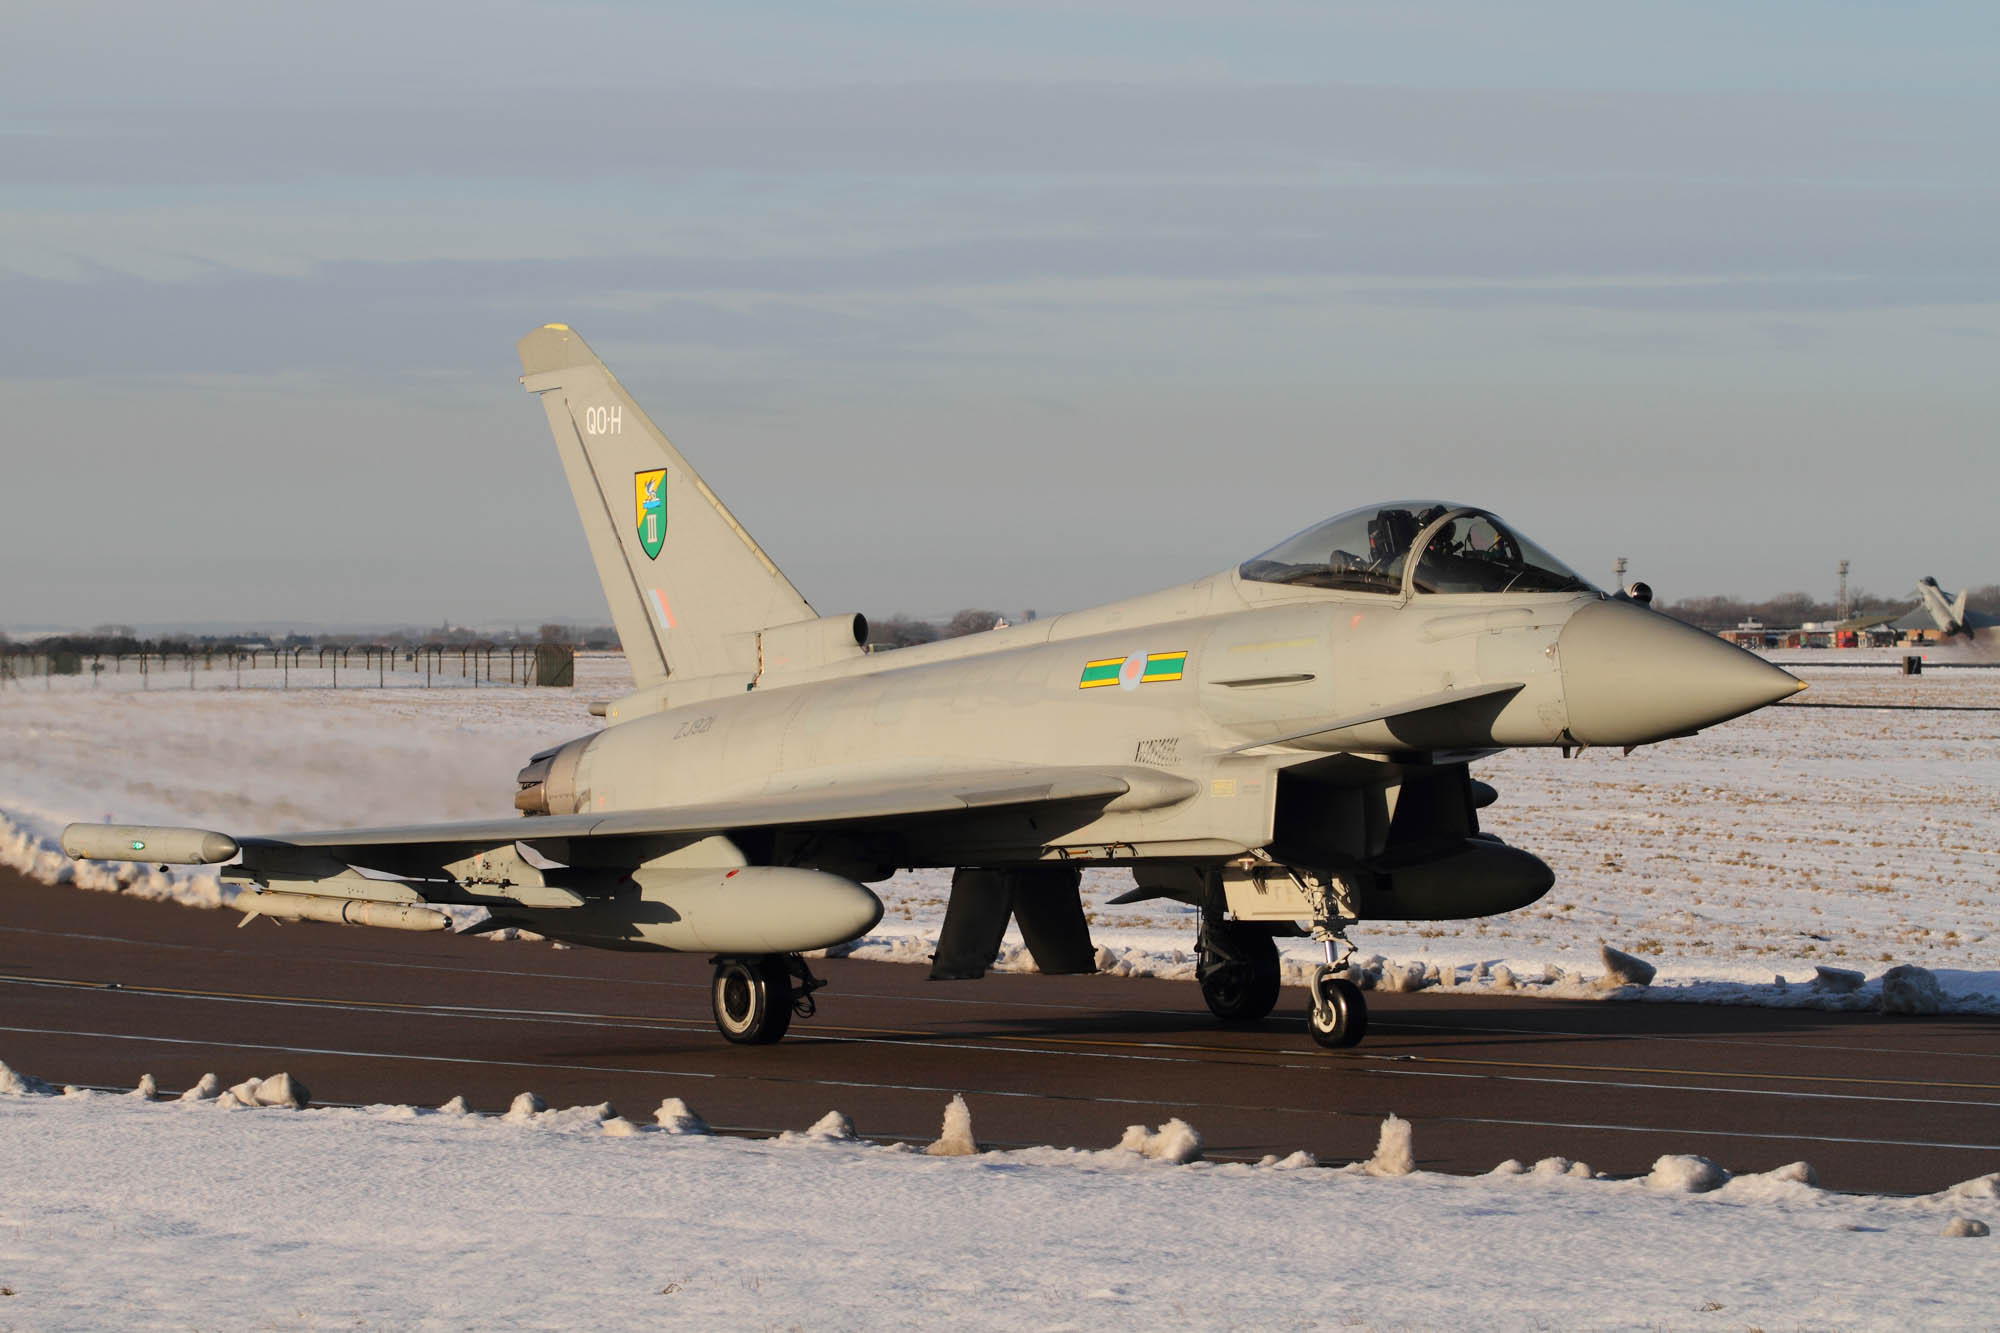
(1010, 305)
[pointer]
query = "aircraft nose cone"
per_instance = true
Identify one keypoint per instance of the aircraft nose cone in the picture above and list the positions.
(1631, 676)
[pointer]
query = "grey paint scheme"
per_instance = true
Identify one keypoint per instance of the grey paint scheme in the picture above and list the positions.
(1318, 733)
(1950, 614)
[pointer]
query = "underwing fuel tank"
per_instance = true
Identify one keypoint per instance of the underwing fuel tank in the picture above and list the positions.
(1484, 877)
(1631, 676)
(720, 909)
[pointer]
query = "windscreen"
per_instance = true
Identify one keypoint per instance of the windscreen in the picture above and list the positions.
(1464, 550)
(1473, 551)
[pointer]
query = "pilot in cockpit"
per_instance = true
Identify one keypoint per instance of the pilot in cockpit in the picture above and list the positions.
(1466, 551)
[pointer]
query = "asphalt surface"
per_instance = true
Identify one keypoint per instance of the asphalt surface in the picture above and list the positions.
(97, 989)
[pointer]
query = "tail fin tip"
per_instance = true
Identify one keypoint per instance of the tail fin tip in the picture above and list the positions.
(553, 347)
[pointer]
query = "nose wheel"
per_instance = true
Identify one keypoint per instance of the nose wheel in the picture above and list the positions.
(1338, 1017)
(755, 998)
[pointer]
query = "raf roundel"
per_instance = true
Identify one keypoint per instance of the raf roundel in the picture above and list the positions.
(1129, 673)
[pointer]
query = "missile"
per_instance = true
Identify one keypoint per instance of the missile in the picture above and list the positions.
(144, 842)
(253, 902)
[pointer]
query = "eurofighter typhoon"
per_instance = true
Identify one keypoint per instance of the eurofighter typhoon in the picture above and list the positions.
(1284, 746)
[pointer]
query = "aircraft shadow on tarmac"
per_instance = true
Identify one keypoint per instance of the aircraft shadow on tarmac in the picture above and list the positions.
(1412, 1024)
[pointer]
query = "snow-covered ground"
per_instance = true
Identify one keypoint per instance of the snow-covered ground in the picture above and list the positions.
(1793, 839)
(119, 1212)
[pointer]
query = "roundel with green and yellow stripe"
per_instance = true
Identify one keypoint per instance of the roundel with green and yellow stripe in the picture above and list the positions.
(1129, 673)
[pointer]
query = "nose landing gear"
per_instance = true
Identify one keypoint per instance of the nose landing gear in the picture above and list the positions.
(1337, 1016)
(756, 998)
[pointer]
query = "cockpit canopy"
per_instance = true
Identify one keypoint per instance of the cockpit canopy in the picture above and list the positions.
(1460, 550)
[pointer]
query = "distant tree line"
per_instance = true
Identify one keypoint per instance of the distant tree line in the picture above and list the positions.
(124, 641)
(1797, 608)
(901, 631)
(887, 632)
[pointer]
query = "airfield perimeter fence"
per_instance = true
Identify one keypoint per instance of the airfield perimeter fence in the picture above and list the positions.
(360, 667)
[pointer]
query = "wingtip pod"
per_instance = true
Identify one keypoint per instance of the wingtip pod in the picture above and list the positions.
(146, 842)
(551, 348)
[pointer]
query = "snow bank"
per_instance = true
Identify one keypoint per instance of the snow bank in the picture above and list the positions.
(277, 1090)
(1560, 1168)
(1175, 1141)
(1686, 1174)
(955, 1140)
(833, 1127)
(13, 1084)
(1909, 989)
(674, 1116)
(191, 1216)
(1394, 1153)
(1624, 969)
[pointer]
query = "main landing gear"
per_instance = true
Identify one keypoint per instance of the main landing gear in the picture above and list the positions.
(1237, 968)
(755, 998)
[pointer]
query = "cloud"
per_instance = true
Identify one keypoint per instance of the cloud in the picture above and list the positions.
(952, 130)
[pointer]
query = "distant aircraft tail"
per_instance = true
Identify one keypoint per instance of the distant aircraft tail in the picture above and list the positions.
(685, 582)
(1958, 606)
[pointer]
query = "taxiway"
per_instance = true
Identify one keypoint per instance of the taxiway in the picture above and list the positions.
(97, 989)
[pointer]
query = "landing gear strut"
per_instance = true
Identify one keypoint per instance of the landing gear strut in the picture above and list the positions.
(755, 998)
(1238, 970)
(1337, 1016)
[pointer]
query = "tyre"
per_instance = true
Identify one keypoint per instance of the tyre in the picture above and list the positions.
(752, 999)
(1339, 1016)
(1240, 992)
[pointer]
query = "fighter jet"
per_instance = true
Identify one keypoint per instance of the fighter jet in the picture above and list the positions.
(1284, 746)
(1950, 614)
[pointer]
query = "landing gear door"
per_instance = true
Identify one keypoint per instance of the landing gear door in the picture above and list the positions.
(1241, 802)
(1263, 893)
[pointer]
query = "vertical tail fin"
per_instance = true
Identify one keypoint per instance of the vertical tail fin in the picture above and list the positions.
(683, 578)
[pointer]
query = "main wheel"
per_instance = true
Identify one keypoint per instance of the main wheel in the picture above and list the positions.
(1240, 992)
(1338, 1016)
(1238, 970)
(753, 999)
